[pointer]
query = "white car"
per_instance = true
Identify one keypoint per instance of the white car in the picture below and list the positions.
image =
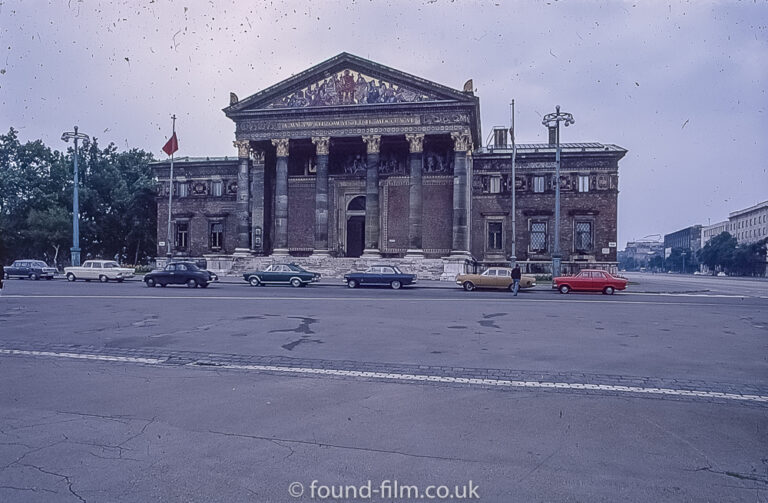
(102, 270)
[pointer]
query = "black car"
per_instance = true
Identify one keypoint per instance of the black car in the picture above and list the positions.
(281, 274)
(376, 275)
(32, 269)
(180, 273)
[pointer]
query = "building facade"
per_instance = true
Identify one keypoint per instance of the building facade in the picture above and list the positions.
(352, 161)
(710, 231)
(750, 224)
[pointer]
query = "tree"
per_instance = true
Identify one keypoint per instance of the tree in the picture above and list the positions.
(718, 253)
(51, 228)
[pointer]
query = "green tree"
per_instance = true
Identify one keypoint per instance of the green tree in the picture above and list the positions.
(719, 252)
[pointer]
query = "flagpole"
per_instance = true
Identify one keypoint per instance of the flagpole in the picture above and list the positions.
(170, 196)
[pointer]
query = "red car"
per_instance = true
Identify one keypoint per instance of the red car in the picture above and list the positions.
(590, 280)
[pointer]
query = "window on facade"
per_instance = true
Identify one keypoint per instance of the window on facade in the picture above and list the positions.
(182, 235)
(495, 184)
(583, 236)
(217, 235)
(583, 183)
(494, 235)
(538, 236)
(216, 188)
(538, 184)
(181, 189)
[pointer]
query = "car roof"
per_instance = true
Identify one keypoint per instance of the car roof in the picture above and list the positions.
(382, 265)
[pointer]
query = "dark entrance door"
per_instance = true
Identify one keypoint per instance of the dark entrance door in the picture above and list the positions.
(355, 236)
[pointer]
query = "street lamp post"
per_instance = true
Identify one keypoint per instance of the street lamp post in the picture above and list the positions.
(75, 250)
(553, 121)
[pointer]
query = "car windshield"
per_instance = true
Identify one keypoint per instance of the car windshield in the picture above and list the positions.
(192, 267)
(397, 270)
(40, 264)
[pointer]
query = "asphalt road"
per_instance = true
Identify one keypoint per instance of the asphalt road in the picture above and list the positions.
(118, 392)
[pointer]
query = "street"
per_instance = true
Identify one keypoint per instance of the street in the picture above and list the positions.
(118, 392)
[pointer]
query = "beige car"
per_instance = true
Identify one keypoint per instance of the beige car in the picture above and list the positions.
(494, 277)
(102, 270)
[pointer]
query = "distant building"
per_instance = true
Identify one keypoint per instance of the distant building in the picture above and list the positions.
(749, 225)
(710, 231)
(687, 240)
(641, 252)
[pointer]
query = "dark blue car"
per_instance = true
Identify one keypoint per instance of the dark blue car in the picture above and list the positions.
(32, 269)
(380, 275)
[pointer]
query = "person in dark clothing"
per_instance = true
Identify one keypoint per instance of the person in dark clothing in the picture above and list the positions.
(516, 275)
(2, 275)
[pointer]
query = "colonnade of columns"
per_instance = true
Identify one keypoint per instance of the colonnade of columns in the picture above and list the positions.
(462, 143)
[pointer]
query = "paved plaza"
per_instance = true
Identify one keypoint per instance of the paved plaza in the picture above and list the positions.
(117, 392)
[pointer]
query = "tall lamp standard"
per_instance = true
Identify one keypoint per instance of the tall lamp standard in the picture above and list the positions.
(552, 121)
(75, 250)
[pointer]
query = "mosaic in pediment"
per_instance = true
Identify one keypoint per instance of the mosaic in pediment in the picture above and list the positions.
(349, 87)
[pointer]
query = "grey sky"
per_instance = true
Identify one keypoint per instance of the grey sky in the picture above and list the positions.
(681, 85)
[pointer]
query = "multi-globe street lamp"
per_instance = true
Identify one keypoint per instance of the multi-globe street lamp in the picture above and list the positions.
(552, 121)
(75, 250)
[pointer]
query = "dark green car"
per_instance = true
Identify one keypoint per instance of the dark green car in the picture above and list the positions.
(281, 274)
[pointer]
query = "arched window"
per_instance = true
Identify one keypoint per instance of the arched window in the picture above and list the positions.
(357, 204)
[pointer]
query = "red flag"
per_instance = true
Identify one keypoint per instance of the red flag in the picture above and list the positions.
(172, 145)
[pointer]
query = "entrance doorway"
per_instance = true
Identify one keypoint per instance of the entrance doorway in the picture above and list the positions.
(355, 239)
(355, 236)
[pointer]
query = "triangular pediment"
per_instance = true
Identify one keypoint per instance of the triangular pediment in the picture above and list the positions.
(347, 81)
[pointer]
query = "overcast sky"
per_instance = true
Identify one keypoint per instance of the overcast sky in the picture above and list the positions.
(681, 85)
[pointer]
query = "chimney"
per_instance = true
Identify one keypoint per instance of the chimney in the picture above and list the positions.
(552, 135)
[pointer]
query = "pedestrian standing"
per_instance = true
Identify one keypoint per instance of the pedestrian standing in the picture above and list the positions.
(516, 275)
(2, 276)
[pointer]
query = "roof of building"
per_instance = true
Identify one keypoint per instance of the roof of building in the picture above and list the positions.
(756, 207)
(534, 148)
(187, 159)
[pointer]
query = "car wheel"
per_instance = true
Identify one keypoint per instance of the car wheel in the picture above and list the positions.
(34, 276)
(103, 278)
(254, 281)
(5, 276)
(352, 283)
(150, 282)
(608, 290)
(295, 282)
(469, 286)
(564, 288)
(70, 277)
(395, 285)
(191, 283)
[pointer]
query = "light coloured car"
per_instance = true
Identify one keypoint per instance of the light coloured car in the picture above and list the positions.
(494, 277)
(102, 270)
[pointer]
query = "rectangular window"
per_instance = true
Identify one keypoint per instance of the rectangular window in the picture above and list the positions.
(494, 235)
(495, 185)
(216, 188)
(182, 235)
(538, 184)
(538, 236)
(181, 189)
(583, 242)
(583, 183)
(217, 235)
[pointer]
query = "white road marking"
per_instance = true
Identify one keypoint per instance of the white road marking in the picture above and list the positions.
(463, 299)
(393, 376)
(82, 356)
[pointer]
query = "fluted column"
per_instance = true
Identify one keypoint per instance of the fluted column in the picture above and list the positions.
(321, 195)
(415, 200)
(257, 202)
(371, 249)
(462, 142)
(281, 197)
(243, 225)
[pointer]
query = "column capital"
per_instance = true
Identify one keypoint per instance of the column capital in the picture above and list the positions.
(282, 146)
(322, 144)
(415, 143)
(373, 142)
(243, 148)
(257, 155)
(462, 140)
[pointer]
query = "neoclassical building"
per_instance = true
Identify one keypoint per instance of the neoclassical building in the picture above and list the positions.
(351, 161)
